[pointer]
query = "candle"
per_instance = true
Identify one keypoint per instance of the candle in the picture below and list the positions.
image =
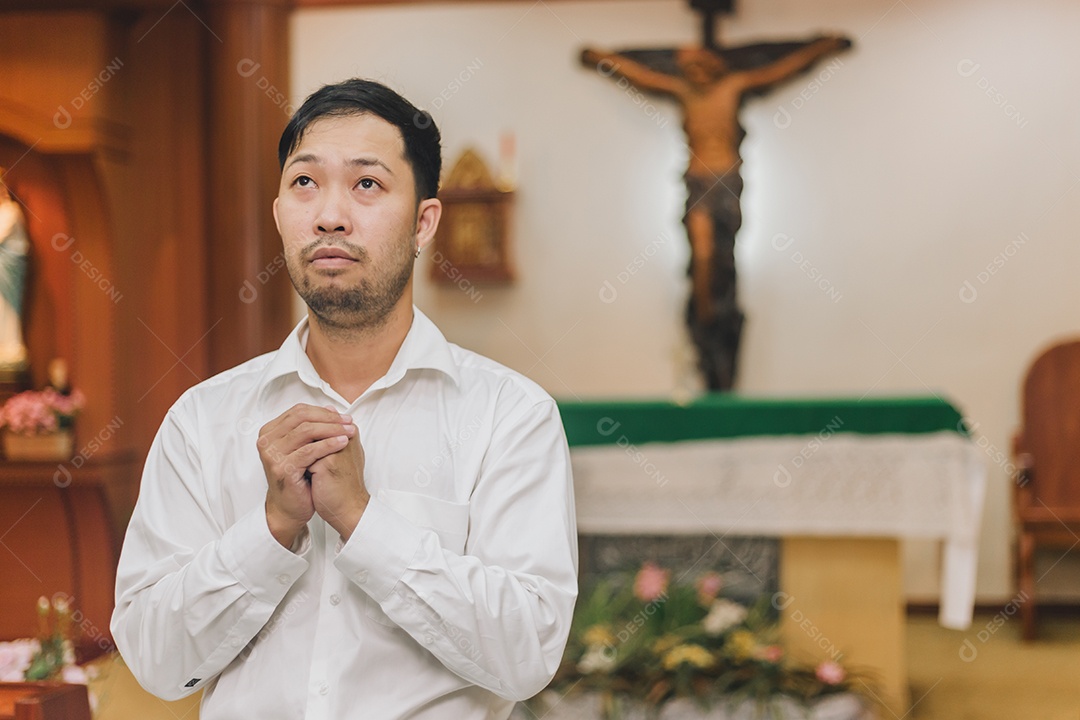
(507, 176)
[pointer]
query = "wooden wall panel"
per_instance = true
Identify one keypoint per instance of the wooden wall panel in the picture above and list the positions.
(156, 193)
(249, 109)
(145, 142)
(56, 68)
(36, 558)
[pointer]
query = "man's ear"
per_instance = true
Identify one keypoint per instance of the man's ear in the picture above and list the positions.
(427, 220)
(277, 223)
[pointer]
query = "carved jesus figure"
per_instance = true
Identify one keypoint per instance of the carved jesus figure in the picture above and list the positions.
(710, 94)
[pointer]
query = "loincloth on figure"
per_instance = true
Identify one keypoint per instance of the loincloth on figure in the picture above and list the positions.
(719, 197)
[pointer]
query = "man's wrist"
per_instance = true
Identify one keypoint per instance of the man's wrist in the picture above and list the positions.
(345, 522)
(285, 531)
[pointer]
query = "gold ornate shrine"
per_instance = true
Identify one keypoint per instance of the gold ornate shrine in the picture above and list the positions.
(472, 242)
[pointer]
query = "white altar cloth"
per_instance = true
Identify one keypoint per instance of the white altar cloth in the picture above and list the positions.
(928, 485)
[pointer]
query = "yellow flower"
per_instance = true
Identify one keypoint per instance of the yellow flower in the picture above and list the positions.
(742, 644)
(665, 643)
(599, 635)
(690, 654)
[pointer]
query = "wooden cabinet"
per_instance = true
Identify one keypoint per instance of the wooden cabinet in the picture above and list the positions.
(43, 701)
(61, 537)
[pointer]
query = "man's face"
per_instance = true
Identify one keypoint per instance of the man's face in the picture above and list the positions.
(700, 67)
(349, 222)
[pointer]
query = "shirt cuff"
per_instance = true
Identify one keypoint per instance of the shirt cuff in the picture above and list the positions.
(379, 550)
(259, 561)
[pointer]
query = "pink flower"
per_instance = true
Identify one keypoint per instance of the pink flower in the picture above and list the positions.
(771, 653)
(708, 587)
(830, 673)
(35, 413)
(651, 582)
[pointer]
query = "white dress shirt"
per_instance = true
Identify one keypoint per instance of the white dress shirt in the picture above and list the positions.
(452, 598)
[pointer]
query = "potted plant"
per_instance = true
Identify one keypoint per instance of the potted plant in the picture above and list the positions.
(37, 424)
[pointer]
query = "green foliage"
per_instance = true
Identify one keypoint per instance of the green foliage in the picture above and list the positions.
(48, 661)
(642, 638)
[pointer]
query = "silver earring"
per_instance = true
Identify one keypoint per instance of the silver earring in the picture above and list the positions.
(417, 253)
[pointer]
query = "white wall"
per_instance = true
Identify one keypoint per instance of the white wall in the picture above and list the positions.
(899, 178)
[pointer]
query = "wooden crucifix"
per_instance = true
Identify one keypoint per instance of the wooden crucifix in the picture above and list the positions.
(710, 83)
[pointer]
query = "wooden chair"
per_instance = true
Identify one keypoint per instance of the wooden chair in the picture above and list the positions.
(1046, 496)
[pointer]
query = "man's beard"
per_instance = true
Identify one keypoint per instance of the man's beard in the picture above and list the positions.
(358, 307)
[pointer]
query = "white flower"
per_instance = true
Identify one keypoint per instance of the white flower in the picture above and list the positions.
(723, 615)
(75, 675)
(15, 658)
(597, 658)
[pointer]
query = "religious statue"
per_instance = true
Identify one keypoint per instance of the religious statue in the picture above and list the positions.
(710, 84)
(14, 246)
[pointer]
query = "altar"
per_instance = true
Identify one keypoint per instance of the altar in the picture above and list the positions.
(839, 481)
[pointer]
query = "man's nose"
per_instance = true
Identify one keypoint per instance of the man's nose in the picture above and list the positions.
(333, 216)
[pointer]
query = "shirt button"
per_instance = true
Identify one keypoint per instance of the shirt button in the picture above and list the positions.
(335, 599)
(361, 577)
(323, 689)
(428, 639)
(283, 579)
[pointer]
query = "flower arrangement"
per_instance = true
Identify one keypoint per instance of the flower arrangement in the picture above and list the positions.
(650, 640)
(35, 412)
(51, 655)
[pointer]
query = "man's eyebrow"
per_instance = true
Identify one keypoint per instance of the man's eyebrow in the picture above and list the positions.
(369, 162)
(305, 157)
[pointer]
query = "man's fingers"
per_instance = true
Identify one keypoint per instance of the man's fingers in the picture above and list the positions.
(297, 414)
(312, 452)
(309, 432)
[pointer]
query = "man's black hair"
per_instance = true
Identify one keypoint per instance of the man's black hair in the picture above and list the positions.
(361, 97)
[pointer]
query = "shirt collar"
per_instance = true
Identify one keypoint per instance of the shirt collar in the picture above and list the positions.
(424, 347)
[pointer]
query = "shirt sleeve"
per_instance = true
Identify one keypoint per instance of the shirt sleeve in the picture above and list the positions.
(499, 614)
(190, 592)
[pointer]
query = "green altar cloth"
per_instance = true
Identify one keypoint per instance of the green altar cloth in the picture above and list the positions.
(599, 422)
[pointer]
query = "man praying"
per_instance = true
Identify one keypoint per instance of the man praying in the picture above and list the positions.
(369, 522)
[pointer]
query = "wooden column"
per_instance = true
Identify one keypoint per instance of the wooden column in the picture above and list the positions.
(249, 305)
